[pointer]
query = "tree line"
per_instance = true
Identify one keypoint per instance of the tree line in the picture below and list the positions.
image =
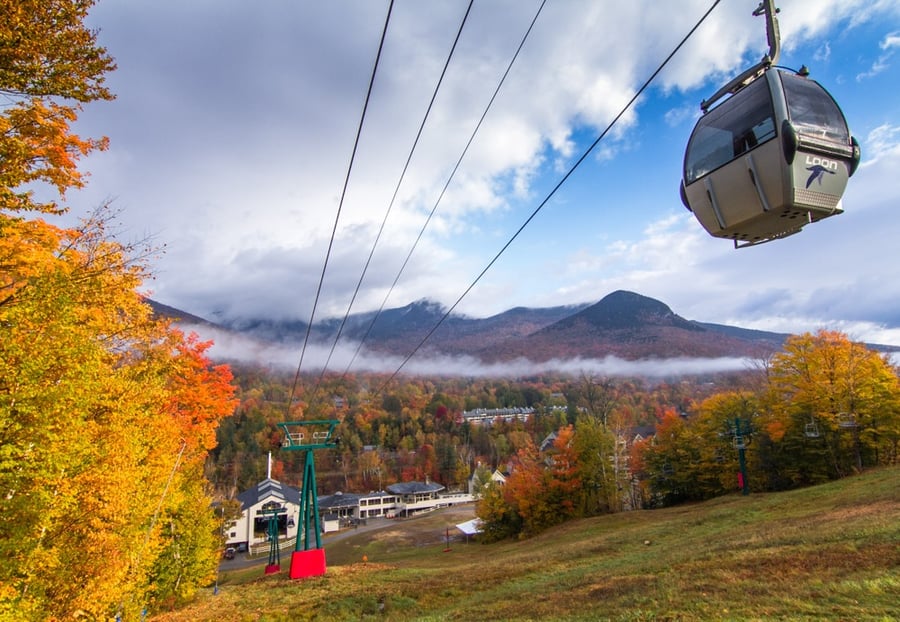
(414, 429)
(822, 408)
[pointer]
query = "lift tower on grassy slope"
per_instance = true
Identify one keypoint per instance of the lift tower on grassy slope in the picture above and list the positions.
(307, 436)
(273, 513)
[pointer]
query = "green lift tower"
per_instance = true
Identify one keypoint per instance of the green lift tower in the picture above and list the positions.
(307, 436)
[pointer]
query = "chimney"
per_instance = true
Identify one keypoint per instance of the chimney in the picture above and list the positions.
(269, 467)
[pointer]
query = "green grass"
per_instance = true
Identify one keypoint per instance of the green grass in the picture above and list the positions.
(830, 552)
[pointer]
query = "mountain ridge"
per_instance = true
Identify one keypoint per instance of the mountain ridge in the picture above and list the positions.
(623, 324)
(632, 326)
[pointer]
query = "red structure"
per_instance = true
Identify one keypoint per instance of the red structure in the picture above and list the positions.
(309, 563)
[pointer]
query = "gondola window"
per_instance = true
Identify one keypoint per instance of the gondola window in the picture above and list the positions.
(813, 113)
(726, 132)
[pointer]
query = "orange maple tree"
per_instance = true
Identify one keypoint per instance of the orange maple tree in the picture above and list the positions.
(106, 416)
(106, 413)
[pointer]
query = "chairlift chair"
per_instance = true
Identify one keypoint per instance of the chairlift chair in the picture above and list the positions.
(811, 430)
(847, 420)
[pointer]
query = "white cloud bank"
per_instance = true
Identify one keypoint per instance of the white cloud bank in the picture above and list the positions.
(235, 347)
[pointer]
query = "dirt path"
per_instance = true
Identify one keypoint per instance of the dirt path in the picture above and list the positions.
(430, 528)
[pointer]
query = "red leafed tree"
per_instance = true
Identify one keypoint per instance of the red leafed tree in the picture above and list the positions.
(526, 491)
(202, 393)
(564, 483)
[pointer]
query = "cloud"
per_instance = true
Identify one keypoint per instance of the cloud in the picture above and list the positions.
(235, 347)
(882, 142)
(677, 116)
(231, 143)
(823, 53)
(891, 40)
(881, 64)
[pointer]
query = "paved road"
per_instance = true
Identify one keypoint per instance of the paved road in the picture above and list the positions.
(243, 560)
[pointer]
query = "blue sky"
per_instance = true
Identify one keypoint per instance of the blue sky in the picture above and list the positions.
(234, 125)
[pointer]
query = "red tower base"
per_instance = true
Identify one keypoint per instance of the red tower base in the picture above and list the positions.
(309, 563)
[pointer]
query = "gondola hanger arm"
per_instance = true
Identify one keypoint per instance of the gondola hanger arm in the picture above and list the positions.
(773, 34)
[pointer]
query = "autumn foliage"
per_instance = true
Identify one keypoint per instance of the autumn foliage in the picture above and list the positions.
(50, 64)
(828, 407)
(106, 416)
(823, 408)
(106, 413)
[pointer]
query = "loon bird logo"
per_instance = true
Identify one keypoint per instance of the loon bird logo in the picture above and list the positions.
(817, 172)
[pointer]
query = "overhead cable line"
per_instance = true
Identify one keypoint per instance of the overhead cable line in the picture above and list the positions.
(541, 205)
(337, 216)
(394, 197)
(446, 185)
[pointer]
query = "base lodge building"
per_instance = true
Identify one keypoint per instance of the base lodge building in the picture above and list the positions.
(335, 511)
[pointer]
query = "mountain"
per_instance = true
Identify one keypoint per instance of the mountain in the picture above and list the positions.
(623, 324)
(746, 333)
(631, 326)
(177, 315)
(625, 311)
(461, 335)
(398, 331)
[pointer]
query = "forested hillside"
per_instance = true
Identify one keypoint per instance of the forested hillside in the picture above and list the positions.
(822, 408)
(414, 427)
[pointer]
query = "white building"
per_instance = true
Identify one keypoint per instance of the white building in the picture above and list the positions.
(415, 497)
(251, 529)
(377, 504)
(403, 499)
(486, 416)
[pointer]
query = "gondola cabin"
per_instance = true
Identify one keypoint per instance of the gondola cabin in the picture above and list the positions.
(771, 158)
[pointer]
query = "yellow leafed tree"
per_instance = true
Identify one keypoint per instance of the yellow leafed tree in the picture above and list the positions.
(846, 393)
(105, 419)
(106, 413)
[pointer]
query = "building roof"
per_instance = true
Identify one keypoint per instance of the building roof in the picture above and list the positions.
(471, 527)
(411, 488)
(338, 500)
(547, 443)
(268, 488)
(643, 431)
(376, 494)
